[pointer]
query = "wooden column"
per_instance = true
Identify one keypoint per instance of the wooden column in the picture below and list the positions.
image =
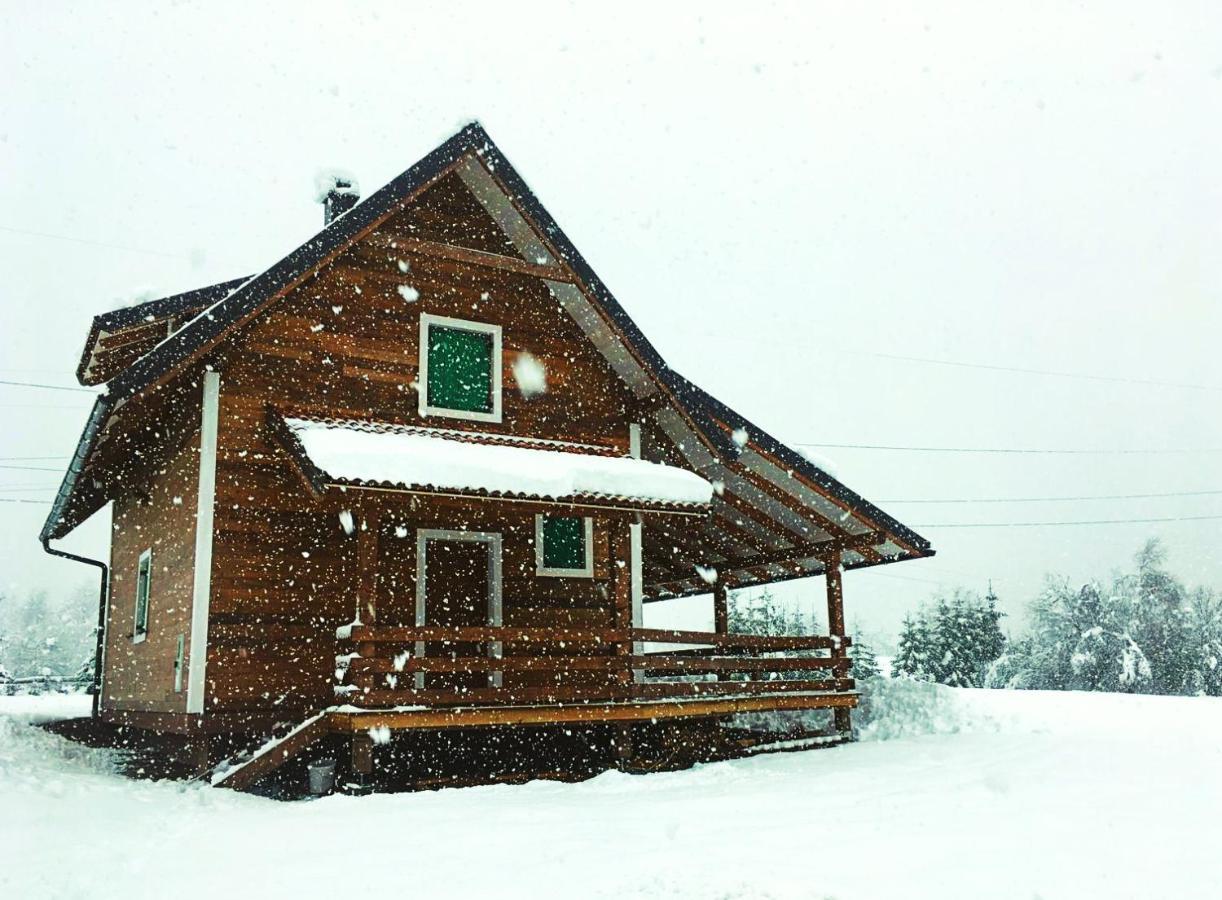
(835, 626)
(621, 591)
(367, 566)
(721, 608)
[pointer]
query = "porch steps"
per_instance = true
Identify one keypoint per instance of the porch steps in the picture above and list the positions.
(244, 769)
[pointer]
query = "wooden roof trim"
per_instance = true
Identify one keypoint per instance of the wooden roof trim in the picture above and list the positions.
(147, 313)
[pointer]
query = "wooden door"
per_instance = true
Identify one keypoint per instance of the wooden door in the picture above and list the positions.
(458, 578)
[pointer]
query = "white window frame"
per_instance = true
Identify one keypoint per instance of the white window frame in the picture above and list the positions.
(139, 636)
(586, 571)
(180, 662)
(427, 320)
(495, 602)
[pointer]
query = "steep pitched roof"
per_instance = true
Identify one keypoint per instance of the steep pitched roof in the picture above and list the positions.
(237, 304)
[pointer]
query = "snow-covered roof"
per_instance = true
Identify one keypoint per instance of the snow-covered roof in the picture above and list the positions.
(353, 452)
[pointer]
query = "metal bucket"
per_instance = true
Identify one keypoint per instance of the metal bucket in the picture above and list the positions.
(322, 776)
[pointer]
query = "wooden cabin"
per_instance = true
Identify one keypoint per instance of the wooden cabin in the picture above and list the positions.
(418, 479)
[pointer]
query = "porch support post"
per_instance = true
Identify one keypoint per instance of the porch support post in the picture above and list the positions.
(835, 626)
(621, 591)
(367, 566)
(721, 608)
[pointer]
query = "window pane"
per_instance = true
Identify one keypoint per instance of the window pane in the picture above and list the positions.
(460, 369)
(142, 595)
(564, 543)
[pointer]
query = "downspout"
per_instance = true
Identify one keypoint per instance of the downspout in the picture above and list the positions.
(102, 592)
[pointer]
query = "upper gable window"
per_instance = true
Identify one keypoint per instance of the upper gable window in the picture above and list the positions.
(460, 369)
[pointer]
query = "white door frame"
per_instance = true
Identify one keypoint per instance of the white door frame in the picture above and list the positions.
(495, 615)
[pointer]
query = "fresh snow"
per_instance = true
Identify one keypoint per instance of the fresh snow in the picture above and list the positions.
(974, 794)
(530, 375)
(428, 461)
(327, 180)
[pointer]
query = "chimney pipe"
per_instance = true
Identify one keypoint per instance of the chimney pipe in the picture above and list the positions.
(337, 191)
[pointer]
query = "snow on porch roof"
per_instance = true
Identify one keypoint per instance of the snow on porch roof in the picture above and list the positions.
(384, 455)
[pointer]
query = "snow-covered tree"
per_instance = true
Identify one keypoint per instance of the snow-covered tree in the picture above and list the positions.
(955, 643)
(1141, 632)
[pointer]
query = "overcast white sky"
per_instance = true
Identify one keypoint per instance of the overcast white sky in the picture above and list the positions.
(787, 199)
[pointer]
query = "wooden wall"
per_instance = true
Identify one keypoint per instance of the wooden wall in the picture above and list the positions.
(140, 676)
(345, 344)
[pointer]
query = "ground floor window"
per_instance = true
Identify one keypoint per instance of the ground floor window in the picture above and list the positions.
(564, 546)
(144, 577)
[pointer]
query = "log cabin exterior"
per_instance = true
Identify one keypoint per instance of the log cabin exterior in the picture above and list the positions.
(421, 475)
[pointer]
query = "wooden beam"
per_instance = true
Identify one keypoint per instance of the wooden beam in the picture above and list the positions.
(621, 593)
(455, 253)
(721, 608)
(367, 564)
(600, 712)
(835, 625)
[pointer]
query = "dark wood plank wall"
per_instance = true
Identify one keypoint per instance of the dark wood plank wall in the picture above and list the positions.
(140, 676)
(345, 343)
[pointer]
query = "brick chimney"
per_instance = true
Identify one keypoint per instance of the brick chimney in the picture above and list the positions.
(337, 191)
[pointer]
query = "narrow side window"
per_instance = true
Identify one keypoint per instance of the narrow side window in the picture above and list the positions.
(180, 652)
(144, 576)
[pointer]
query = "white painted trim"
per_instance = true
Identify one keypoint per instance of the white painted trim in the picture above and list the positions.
(586, 571)
(138, 636)
(634, 440)
(635, 539)
(201, 588)
(422, 392)
(495, 600)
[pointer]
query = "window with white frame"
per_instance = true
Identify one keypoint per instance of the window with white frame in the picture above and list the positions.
(564, 546)
(180, 658)
(460, 369)
(144, 578)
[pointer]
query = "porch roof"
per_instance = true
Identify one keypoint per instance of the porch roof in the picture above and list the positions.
(374, 454)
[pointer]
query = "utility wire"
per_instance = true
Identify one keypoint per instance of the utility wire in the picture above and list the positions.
(933, 361)
(28, 458)
(1040, 450)
(1061, 524)
(32, 468)
(76, 240)
(49, 387)
(15, 500)
(1046, 372)
(1056, 499)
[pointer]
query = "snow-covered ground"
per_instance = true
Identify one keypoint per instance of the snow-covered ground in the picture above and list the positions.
(951, 793)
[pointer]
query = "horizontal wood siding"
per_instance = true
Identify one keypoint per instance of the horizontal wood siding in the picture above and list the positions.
(346, 344)
(140, 676)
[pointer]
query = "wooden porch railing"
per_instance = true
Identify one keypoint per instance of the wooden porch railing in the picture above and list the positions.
(383, 669)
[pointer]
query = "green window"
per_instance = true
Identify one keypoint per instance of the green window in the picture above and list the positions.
(460, 369)
(564, 542)
(144, 577)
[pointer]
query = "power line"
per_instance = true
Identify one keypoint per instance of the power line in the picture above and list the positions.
(1056, 499)
(18, 500)
(32, 468)
(1060, 524)
(76, 240)
(993, 367)
(1045, 372)
(28, 458)
(1040, 450)
(49, 387)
